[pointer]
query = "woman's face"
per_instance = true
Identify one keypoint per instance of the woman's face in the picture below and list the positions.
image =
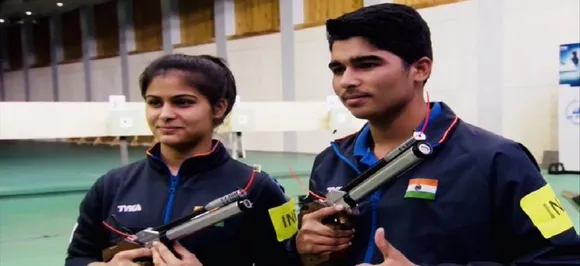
(178, 114)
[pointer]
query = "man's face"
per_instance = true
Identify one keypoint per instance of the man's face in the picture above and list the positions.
(370, 82)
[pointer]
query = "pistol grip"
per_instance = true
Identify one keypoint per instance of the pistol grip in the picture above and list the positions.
(339, 221)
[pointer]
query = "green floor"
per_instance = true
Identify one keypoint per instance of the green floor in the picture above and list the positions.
(34, 229)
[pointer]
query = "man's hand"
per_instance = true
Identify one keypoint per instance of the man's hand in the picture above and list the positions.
(162, 256)
(317, 238)
(392, 256)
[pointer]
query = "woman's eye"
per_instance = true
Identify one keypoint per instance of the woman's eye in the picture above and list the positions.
(183, 102)
(154, 103)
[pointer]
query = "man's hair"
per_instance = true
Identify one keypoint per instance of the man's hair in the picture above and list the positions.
(210, 75)
(396, 28)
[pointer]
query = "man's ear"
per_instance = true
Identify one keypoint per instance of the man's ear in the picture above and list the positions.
(421, 69)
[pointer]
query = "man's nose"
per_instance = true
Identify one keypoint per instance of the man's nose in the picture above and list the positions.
(349, 79)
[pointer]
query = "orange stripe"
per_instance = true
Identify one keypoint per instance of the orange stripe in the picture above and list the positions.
(424, 181)
(444, 137)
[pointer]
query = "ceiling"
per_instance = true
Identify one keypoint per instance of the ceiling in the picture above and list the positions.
(14, 10)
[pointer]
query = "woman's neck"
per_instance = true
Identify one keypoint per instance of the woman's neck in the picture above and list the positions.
(174, 157)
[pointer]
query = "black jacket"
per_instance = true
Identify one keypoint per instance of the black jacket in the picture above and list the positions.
(145, 194)
(479, 200)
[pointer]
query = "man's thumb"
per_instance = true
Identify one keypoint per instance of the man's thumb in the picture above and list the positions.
(383, 245)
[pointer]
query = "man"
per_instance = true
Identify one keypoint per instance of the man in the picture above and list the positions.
(487, 201)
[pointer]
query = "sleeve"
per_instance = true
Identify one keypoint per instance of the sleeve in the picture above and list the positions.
(314, 182)
(89, 237)
(536, 228)
(270, 245)
(313, 185)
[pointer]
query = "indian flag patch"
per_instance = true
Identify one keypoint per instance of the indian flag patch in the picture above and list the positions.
(422, 188)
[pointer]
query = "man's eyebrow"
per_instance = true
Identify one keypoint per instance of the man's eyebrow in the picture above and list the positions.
(356, 59)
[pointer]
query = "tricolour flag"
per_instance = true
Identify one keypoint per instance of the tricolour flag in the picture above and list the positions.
(422, 188)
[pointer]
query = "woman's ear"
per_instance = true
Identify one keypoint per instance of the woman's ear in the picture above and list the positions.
(219, 109)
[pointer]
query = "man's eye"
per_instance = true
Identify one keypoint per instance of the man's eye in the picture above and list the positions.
(337, 70)
(366, 65)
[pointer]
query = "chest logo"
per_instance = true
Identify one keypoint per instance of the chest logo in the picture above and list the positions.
(422, 188)
(129, 208)
(333, 188)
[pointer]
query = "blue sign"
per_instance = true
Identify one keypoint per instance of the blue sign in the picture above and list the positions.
(573, 112)
(569, 64)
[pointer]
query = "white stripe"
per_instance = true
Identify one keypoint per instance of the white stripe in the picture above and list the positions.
(424, 188)
(72, 233)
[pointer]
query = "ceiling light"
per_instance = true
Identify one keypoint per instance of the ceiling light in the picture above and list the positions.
(59, 4)
(28, 13)
(1, 20)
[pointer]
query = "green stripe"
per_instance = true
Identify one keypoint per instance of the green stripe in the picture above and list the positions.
(420, 195)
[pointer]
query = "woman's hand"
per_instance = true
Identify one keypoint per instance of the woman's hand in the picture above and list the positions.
(162, 256)
(126, 258)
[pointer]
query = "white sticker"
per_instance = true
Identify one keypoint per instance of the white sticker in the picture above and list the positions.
(418, 135)
(243, 119)
(117, 102)
(126, 122)
(332, 101)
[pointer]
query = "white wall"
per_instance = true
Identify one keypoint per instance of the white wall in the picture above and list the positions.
(533, 29)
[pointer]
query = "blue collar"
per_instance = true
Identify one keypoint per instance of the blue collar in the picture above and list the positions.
(361, 145)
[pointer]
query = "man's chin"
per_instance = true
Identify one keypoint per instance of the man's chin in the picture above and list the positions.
(361, 113)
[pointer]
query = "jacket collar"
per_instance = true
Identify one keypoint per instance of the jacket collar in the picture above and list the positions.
(442, 121)
(192, 165)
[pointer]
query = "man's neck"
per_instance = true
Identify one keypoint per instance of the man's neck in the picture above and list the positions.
(387, 134)
(175, 157)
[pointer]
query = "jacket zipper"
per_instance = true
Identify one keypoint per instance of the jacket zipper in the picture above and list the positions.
(171, 198)
(374, 205)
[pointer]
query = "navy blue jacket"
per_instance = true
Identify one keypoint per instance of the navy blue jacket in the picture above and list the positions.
(145, 194)
(476, 216)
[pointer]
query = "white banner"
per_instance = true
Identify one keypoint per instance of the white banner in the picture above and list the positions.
(569, 107)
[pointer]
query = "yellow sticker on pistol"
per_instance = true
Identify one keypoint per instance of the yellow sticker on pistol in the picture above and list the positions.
(546, 212)
(284, 220)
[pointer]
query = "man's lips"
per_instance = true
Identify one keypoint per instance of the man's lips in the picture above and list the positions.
(355, 99)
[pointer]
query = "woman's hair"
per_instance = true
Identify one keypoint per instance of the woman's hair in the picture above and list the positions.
(210, 75)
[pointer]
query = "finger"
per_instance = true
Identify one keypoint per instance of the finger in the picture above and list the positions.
(323, 230)
(157, 260)
(325, 241)
(319, 249)
(166, 254)
(133, 254)
(382, 244)
(323, 213)
(181, 250)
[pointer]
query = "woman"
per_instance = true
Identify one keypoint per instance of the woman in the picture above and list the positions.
(187, 97)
